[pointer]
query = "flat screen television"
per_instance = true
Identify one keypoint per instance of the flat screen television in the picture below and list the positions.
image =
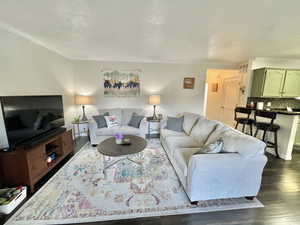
(27, 118)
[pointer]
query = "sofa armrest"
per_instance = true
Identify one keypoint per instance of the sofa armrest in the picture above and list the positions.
(229, 173)
(144, 125)
(92, 127)
(163, 123)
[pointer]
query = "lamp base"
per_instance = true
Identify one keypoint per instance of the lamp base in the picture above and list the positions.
(84, 118)
(154, 117)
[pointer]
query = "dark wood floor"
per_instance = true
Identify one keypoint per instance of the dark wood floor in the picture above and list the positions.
(280, 193)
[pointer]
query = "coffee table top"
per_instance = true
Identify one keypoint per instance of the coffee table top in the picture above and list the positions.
(109, 147)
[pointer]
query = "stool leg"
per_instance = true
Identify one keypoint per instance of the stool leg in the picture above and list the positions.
(244, 127)
(264, 137)
(236, 125)
(256, 132)
(276, 144)
(251, 132)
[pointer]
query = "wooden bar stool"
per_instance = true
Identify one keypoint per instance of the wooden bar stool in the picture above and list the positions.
(267, 127)
(243, 120)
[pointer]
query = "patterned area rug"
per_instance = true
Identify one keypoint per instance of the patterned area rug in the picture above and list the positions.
(141, 185)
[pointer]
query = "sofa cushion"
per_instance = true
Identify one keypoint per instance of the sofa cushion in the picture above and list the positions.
(175, 123)
(127, 114)
(182, 157)
(243, 144)
(100, 120)
(189, 121)
(116, 112)
(129, 130)
(174, 143)
(135, 120)
(203, 129)
(170, 133)
(125, 130)
(105, 131)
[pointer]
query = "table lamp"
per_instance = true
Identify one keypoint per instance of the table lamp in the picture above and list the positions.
(83, 100)
(154, 100)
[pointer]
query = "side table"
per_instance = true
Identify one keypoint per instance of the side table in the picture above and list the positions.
(80, 129)
(153, 128)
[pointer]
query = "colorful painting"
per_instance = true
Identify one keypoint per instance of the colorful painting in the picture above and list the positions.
(121, 83)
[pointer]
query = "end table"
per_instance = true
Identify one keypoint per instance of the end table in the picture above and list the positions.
(80, 128)
(153, 128)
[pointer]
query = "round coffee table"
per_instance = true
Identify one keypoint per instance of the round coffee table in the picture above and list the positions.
(109, 149)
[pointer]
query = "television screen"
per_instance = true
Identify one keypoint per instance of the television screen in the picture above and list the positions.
(27, 117)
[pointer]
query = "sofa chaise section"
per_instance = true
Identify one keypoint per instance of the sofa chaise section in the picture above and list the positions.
(236, 172)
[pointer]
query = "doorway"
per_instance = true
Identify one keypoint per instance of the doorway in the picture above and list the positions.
(223, 94)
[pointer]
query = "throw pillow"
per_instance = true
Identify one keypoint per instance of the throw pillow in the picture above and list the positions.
(135, 120)
(215, 147)
(100, 120)
(175, 123)
(111, 121)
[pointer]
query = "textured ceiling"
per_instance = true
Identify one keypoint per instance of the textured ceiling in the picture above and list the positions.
(158, 30)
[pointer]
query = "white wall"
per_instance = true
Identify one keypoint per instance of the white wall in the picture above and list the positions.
(276, 63)
(156, 78)
(28, 69)
(215, 100)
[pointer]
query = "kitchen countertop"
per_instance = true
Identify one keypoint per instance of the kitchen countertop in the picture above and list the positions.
(296, 112)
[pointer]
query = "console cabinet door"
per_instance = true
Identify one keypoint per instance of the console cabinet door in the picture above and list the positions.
(273, 83)
(68, 143)
(36, 161)
(292, 84)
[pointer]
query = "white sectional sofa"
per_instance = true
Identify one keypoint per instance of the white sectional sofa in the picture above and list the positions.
(236, 172)
(123, 115)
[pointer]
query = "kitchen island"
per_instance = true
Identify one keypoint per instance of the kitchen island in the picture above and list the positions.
(288, 122)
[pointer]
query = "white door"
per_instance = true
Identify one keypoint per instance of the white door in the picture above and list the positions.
(231, 98)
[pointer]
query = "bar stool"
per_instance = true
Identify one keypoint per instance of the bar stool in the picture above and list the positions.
(243, 120)
(267, 127)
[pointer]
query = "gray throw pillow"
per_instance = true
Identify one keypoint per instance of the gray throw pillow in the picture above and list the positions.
(175, 123)
(135, 120)
(100, 120)
(214, 147)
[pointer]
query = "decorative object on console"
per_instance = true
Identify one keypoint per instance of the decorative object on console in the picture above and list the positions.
(154, 100)
(83, 100)
(121, 83)
(189, 82)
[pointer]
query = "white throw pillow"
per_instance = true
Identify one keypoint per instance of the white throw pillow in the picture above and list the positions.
(111, 121)
(212, 148)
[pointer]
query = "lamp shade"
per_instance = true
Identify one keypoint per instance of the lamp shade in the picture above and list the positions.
(82, 100)
(154, 99)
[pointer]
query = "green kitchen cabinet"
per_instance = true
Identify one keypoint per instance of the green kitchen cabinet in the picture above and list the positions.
(292, 84)
(268, 82)
(297, 138)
